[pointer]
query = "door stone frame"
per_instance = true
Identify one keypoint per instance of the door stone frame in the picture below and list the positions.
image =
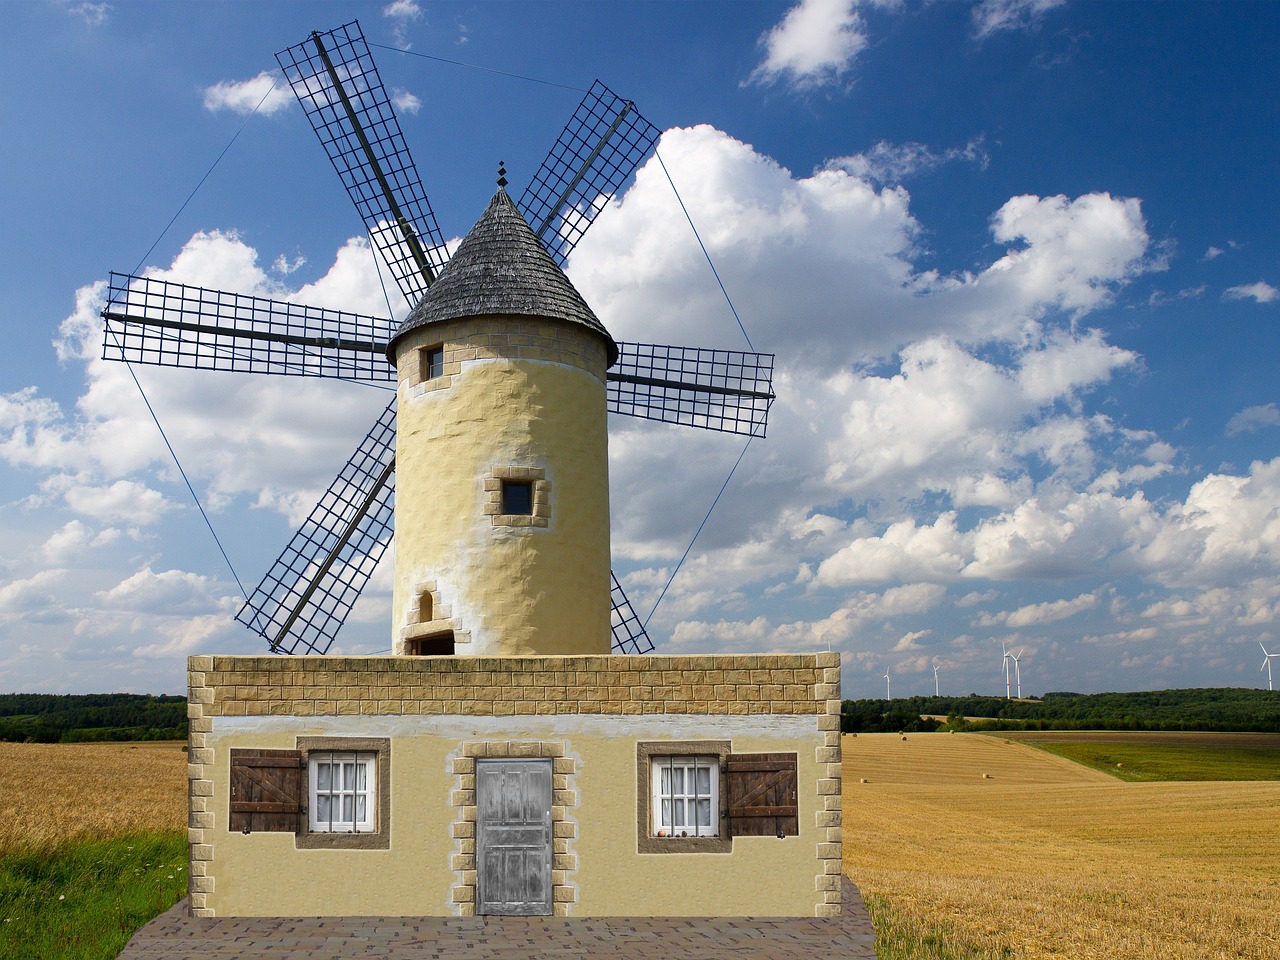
(564, 826)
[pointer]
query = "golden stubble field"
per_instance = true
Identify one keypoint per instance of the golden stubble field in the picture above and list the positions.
(54, 791)
(1046, 858)
(1050, 859)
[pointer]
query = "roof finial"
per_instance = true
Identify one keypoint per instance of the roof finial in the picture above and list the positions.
(502, 174)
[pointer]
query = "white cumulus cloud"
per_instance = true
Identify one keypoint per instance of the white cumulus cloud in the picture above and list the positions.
(1036, 614)
(894, 162)
(1254, 418)
(814, 44)
(1260, 292)
(267, 92)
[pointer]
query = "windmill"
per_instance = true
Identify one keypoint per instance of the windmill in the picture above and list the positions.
(1005, 664)
(1017, 670)
(886, 686)
(936, 692)
(1266, 663)
(306, 595)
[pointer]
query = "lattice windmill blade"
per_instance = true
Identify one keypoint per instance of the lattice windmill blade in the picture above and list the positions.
(305, 597)
(336, 81)
(603, 143)
(729, 391)
(161, 323)
(629, 635)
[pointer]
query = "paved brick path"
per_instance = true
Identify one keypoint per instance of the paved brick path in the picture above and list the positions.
(175, 936)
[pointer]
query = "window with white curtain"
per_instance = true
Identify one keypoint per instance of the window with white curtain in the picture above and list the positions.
(343, 791)
(686, 796)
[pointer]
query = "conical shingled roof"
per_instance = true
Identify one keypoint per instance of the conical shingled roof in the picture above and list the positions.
(502, 268)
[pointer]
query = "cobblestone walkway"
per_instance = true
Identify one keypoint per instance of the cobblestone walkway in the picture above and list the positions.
(175, 936)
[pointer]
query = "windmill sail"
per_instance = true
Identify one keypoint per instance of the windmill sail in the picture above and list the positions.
(725, 390)
(168, 324)
(602, 144)
(307, 594)
(629, 635)
(336, 81)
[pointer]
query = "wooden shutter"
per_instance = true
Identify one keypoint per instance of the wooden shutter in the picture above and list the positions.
(266, 790)
(762, 794)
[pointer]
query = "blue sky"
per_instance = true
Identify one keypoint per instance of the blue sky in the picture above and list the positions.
(1016, 258)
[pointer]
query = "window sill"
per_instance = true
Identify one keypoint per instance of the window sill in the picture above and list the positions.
(685, 845)
(342, 841)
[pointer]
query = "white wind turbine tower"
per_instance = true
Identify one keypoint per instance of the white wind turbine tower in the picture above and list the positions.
(935, 681)
(1017, 669)
(1266, 663)
(886, 686)
(1005, 664)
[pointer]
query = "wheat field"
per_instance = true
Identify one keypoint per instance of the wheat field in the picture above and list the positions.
(55, 791)
(1044, 859)
(1047, 858)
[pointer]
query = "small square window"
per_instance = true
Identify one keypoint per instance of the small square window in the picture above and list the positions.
(517, 497)
(343, 792)
(686, 796)
(345, 803)
(431, 360)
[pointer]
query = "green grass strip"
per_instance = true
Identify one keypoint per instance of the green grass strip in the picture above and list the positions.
(1144, 763)
(84, 899)
(904, 938)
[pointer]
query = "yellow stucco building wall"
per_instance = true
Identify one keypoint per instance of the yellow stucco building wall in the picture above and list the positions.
(587, 716)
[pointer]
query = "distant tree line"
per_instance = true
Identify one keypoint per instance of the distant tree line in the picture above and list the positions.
(87, 718)
(1209, 708)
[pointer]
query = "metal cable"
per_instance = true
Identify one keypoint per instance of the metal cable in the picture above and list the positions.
(151, 410)
(475, 66)
(698, 237)
(724, 485)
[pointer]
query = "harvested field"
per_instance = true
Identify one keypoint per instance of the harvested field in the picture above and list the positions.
(53, 791)
(1048, 858)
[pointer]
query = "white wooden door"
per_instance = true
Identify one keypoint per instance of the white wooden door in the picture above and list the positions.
(513, 837)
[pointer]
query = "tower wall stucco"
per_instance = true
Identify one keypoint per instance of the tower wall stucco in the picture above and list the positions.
(517, 398)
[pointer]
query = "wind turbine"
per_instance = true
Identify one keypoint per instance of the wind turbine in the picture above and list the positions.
(1005, 664)
(1017, 669)
(1266, 663)
(935, 681)
(886, 686)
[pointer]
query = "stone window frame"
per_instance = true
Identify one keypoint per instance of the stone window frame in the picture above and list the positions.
(564, 828)
(380, 837)
(541, 516)
(425, 364)
(442, 621)
(645, 752)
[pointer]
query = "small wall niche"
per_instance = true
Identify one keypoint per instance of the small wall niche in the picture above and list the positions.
(436, 645)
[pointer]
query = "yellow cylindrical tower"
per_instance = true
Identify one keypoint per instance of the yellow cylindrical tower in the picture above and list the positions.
(502, 473)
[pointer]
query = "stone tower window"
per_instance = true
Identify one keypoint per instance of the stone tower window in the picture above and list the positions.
(518, 497)
(432, 631)
(436, 645)
(431, 362)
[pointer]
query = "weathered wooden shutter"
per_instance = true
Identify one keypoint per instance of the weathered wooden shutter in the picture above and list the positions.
(762, 794)
(266, 790)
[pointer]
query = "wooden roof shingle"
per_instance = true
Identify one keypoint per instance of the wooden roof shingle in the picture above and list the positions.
(501, 267)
